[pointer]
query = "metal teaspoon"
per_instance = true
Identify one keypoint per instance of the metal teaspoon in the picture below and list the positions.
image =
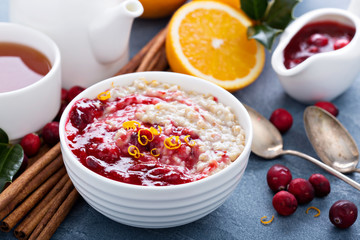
(330, 140)
(268, 143)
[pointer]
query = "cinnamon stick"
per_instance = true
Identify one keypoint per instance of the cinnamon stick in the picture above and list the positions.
(154, 49)
(26, 189)
(53, 207)
(14, 188)
(134, 63)
(43, 149)
(10, 221)
(25, 228)
(59, 216)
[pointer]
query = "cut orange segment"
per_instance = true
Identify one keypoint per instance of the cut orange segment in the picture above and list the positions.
(208, 39)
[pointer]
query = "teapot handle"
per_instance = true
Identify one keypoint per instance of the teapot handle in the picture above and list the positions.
(109, 32)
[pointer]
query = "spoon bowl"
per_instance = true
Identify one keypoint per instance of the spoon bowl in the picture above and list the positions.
(330, 140)
(268, 143)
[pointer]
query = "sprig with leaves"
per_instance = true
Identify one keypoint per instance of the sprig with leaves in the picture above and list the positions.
(11, 158)
(270, 18)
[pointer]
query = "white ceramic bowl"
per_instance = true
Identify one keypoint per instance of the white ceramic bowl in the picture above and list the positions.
(28, 109)
(154, 206)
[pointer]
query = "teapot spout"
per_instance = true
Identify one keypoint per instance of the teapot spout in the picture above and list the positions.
(109, 33)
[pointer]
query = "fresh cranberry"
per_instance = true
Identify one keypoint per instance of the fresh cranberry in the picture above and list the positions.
(281, 119)
(284, 203)
(64, 93)
(321, 184)
(73, 92)
(340, 43)
(328, 106)
(278, 177)
(31, 144)
(302, 190)
(318, 40)
(343, 213)
(50, 133)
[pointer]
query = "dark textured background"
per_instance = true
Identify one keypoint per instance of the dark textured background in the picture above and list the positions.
(239, 217)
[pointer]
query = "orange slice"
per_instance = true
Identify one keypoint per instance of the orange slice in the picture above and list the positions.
(208, 39)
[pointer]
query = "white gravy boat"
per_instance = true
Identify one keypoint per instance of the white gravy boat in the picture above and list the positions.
(92, 35)
(323, 76)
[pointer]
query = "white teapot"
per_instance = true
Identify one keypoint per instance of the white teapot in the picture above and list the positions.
(92, 35)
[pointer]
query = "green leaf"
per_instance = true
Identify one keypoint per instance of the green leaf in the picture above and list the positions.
(280, 13)
(255, 9)
(264, 34)
(3, 136)
(11, 157)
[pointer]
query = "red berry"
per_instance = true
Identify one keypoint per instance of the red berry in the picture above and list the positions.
(284, 203)
(64, 93)
(50, 133)
(321, 184)
(73, 92)
(31, 144)
(340, 43)
(278, 177)
(318, 40)
(343, 213)
(328, 106)
(302, 190)
(281, 119)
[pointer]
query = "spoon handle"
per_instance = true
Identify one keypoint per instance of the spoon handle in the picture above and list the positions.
(325, 167)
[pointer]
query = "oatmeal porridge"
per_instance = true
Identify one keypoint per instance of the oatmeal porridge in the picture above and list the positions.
(153, 134)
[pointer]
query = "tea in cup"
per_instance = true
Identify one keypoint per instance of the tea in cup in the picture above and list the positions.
(30, 80)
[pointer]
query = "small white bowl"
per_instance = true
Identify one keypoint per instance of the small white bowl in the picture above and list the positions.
(324, 76)
(28, 109)
(158, 206)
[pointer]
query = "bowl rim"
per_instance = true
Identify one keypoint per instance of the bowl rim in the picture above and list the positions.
(45, 39)
(244, 156)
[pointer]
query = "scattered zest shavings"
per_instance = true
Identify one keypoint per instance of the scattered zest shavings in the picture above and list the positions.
(155, 131)
(134, 151)
(191, 143)
(131, 124)
(144, 136)
(316, 209)
(104, 96)
(172, 142)
(263, 221)
(155, 152)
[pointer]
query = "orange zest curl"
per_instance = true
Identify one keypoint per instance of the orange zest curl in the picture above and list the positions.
(262, 220)
(154, 131)
(155, 152)
(316, 209)
(104, 96)
(172, 142)
(131, 124)
(143, 136)
(191, 143)
(134, 151)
